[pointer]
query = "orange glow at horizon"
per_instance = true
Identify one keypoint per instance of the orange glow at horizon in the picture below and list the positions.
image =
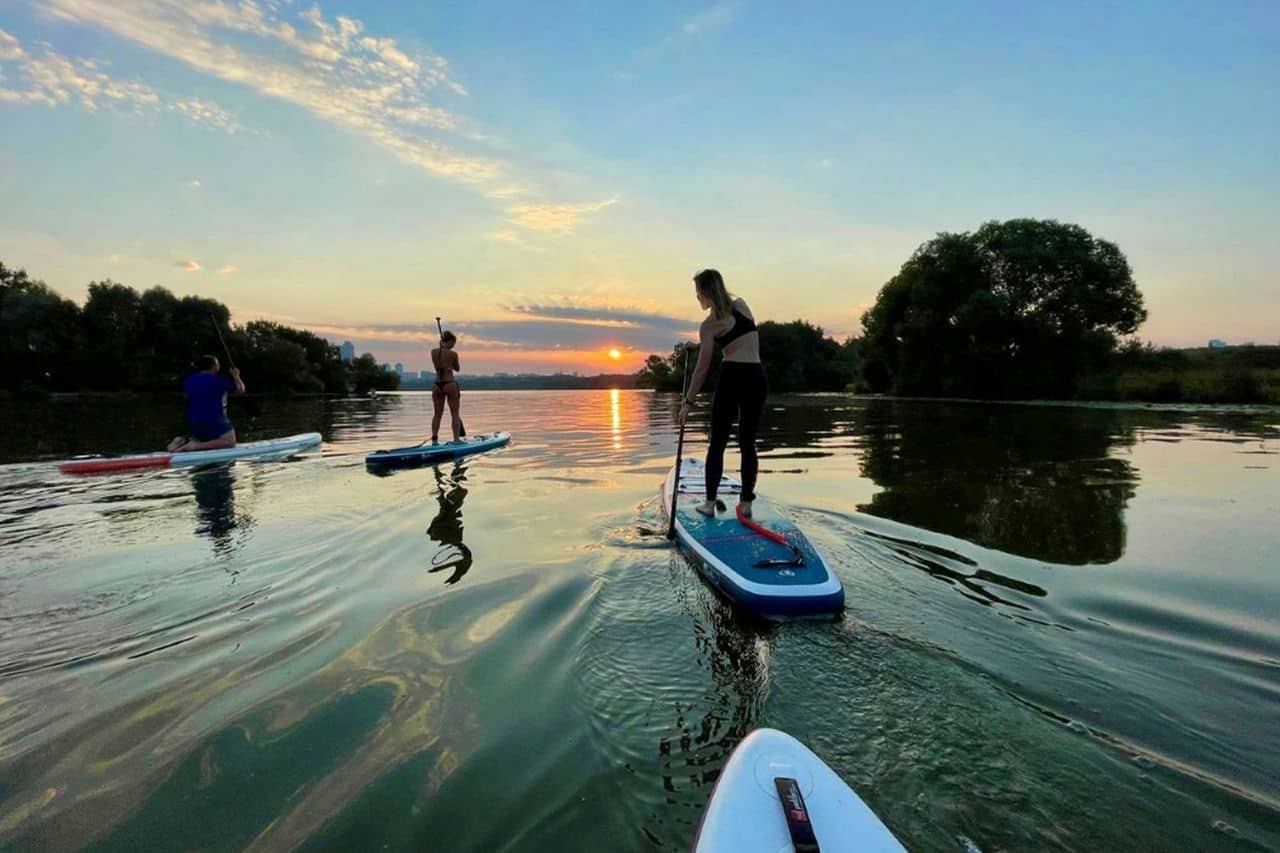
(564, 359)
(615, 354)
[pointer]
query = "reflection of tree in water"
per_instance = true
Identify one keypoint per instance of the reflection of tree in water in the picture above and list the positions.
(216, 515)
(693, 751)
(1030, 481)
(446, 527)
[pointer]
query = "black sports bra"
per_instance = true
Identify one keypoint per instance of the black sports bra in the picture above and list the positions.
(742, 324)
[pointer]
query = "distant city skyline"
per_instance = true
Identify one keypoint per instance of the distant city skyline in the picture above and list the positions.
(360, 169)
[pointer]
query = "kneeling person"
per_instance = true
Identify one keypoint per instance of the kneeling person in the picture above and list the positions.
(207, 408)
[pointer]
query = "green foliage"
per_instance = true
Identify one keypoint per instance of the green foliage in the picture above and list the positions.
(798, 356)
(1016, 309)
(123, 340)
(1244, 374)
(368, 375)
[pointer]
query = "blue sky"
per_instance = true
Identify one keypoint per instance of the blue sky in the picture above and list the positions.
(548, 176)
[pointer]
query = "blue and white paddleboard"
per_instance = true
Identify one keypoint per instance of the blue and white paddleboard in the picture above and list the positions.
(271, 448)
(428, 453)
(773, 580)
(775, 795)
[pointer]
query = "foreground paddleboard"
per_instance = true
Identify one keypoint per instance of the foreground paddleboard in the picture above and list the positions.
(729, 555)
(427, 453)
(750, 812)
(270, 447)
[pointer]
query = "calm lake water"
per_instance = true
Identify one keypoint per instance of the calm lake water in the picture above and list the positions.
(1061, 630)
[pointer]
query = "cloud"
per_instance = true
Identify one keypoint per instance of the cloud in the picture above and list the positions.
(188, 265)
(332, 70)
(555, 218)
(713, 18)
(51, 79)
(400, 99)
(605, 316)
(10, 48)
(512, 237)
(194, 184)
(207, 112)
(228, 269)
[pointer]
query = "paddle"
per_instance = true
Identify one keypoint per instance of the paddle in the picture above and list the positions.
(250, 405)
(218, 329)
(462, 429)
(675, 480)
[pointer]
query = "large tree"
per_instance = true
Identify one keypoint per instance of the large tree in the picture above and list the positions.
(1015, 309)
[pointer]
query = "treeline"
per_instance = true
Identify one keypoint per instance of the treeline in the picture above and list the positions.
(124, 340)
(1237, 374)
(1021, 309)
(798, 356)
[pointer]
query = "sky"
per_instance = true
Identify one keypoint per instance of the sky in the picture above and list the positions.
(547, 177)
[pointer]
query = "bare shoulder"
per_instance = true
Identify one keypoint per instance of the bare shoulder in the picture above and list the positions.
(741, 305)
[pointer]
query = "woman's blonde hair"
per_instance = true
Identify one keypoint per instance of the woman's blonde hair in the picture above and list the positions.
(710, 285)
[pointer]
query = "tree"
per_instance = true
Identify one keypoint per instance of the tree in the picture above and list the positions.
(39, 333)
(367, 375)
(1018, 308)
(113, 321)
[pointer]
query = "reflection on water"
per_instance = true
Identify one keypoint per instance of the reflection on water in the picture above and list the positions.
(446, 527)
(1060, 631)
(216, 508)
(1054, 488)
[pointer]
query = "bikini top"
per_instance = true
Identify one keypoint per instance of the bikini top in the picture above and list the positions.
(742, 324)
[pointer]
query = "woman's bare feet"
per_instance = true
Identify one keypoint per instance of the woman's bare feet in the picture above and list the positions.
(708, 508)
(745, 508)
(177, 444)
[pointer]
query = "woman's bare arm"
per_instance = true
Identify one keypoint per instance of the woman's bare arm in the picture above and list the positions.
(706, 343)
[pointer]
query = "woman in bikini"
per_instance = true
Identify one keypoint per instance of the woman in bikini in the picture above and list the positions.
(445, 361)
(740, 390)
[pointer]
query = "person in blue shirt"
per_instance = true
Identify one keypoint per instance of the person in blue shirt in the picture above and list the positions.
(207, 408)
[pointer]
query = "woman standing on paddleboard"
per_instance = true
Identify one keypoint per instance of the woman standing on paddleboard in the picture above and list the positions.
(740, 390)
(446, 388)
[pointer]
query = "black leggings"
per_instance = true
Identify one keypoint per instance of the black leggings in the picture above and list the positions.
(740, 394)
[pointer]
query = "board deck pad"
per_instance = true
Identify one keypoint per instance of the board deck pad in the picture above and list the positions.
(427, 453)
(734, 550)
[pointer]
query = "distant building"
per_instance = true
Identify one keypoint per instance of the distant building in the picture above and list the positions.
(348, 351)
(399, 369)
(1217, 344)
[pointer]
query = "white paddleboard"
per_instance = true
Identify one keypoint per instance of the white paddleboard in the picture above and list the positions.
(746, 813)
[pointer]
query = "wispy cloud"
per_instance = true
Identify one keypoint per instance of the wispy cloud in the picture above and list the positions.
(605, 316)
(189, 265)
(555, 218)
(404, 100)
(512, 237)
(194, 184)
(50, 79)
(714, 18)
(207, 112)
(228, 269)
(332, 69)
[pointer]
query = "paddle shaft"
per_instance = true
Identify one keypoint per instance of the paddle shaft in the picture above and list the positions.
(675, 479)
(462, 428)
(227, 352)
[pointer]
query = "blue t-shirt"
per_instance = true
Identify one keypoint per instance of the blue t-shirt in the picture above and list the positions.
(207, 397)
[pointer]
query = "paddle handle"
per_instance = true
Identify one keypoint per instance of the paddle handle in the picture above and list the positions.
(675, 478)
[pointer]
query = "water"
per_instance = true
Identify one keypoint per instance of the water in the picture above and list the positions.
(1060, 631)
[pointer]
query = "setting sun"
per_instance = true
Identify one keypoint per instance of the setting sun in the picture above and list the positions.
(615, 354)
